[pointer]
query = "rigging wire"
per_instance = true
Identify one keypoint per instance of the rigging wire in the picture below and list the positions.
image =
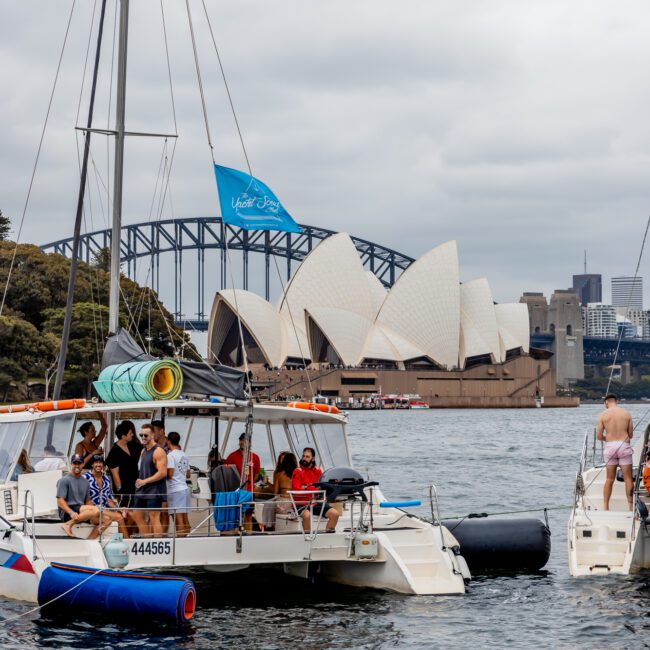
(629, 300)
(207, 130)
(38, 155)
(295, 331)
(198, 75)
(225, 83)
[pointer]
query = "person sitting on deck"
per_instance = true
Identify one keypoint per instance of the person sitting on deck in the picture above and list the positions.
(51, 461)
(23, 466)
(73, 500)
(102, 497)
(281, 502)
(303, 479)
(254, 465)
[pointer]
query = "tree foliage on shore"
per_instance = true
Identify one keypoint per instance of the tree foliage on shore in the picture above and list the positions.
(32, 320)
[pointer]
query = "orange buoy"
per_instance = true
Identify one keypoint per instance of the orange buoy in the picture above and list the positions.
(14, 408)
(312, 406)
(60, 405)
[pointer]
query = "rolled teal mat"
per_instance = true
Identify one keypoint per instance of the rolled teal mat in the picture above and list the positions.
(140, 381)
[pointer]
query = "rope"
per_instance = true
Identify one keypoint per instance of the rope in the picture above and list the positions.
(482, 515)
(629, 300)
(198, 76)
(293, 325)
(49, 602)
(225, 83)
(38, 155)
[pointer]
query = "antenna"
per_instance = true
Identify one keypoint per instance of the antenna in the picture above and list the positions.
(585, 261)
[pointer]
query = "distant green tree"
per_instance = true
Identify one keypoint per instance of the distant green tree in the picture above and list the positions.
(5, 227)
(102, 259)
(25, 352)
(37, 296)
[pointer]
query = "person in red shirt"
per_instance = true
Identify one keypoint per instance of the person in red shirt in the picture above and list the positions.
(303, 479)
(236, 458)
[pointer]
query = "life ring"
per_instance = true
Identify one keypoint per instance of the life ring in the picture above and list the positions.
(15, 408)
(60, 405)
(312, 406)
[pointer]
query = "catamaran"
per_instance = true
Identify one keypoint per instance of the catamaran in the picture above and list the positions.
(376, 543)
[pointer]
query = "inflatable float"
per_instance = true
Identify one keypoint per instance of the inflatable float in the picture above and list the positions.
(65, 588)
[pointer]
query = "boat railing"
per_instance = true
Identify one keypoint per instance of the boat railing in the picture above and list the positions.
(31, 519)
(639, 489)
(308, 499)
(231, 519)
(434, 504)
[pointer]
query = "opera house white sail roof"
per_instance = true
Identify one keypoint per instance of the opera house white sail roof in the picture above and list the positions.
(335, 311)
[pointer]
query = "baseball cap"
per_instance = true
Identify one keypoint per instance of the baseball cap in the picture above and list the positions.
(76, 458)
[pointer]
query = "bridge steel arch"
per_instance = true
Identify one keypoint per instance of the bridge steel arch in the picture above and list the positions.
(198, 234)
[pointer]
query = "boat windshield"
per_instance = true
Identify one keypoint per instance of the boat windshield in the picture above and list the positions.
(12, 442)
(54, 432)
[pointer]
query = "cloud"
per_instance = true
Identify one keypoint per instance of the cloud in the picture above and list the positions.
(518, 129)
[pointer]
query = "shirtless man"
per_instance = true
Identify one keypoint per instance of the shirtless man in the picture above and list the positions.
(615, 429)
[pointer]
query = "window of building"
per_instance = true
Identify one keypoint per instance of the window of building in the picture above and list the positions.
(569, 330)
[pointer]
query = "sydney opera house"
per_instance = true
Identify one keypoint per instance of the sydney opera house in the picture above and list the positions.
(428, 334)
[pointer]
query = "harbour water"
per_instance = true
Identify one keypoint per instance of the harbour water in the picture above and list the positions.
(482, 461)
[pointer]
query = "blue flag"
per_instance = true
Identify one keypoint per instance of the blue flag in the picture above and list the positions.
(248, 203)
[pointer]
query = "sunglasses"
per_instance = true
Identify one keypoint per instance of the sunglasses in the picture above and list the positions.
(144, 435)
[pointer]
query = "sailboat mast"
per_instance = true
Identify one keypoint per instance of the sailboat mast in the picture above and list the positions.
(114, 294)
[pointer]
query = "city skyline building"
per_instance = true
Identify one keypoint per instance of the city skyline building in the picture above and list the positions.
(588, 287)
(600, 320)
(627, 292)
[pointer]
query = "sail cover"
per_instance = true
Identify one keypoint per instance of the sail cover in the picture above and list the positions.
(199, 378)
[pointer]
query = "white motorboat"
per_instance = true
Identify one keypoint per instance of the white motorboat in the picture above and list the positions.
(614, 541)
(413, 556)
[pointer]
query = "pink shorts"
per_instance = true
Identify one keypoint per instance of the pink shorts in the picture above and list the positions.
(618, 453)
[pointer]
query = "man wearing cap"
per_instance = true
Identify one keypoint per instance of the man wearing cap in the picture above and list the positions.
(616, 430)
(73, 499)
(236, 458)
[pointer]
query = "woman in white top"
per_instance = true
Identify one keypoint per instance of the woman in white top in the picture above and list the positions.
(178, 492)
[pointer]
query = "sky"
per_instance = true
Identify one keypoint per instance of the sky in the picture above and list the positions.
(519, 129)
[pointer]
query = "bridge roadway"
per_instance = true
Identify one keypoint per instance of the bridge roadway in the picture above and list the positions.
(602, 351)
(197, 235)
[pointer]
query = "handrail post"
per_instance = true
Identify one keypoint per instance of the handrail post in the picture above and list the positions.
(433, 493)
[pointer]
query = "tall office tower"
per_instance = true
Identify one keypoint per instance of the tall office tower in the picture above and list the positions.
(627, 292)
(588, 287)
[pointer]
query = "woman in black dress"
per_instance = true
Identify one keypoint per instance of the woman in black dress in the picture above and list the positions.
(123, 460)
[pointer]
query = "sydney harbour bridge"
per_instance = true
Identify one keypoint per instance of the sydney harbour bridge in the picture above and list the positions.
(200, 245)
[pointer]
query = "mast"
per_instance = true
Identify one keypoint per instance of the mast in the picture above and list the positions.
(114, 293)
(67, 321)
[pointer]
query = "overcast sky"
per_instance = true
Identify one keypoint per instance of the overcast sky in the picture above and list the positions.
(518, 128)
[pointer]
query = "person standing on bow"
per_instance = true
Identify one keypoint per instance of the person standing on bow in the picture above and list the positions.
(616, 430)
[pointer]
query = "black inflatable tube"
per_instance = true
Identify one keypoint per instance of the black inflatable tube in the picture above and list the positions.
(490, 544)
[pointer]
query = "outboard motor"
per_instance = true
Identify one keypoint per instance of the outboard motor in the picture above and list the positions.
(342, 483)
